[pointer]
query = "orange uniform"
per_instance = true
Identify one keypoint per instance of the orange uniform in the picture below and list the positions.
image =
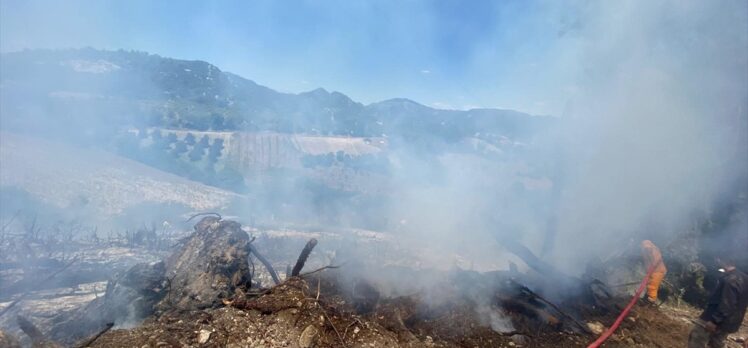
(652, 257)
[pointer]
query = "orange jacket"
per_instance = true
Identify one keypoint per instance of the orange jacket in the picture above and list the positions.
(652, 256)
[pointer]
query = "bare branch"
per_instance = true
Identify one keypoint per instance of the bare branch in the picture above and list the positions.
(207, 213)
(320, 269)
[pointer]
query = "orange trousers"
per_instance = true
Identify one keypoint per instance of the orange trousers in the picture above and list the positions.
(654, 285)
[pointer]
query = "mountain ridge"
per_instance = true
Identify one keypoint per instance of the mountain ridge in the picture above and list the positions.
(141, 89)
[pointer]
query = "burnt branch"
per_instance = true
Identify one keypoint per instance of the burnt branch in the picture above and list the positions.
(320, 270)
(265, 263)
(303, 257)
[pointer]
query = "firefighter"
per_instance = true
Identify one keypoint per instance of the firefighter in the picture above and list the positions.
(725, 309)
(653, 258)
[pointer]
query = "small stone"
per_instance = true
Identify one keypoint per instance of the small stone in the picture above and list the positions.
(596, 327)
(203, 336)
(630, 341)
(512, 344)
(308, 337)
(521, 340)
(356, 330)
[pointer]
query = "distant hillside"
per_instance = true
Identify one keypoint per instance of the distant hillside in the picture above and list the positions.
(87, 89)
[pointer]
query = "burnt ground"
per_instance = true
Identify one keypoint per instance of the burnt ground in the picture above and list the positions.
(294, 314)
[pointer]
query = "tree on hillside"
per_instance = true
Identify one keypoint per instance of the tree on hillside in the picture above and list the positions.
(198, 151)
(215, 150)
(171, 138)
(189, 139)
(160, 143)
(204, 141)
(179, 148)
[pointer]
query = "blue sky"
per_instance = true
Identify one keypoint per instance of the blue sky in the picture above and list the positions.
(449, 54)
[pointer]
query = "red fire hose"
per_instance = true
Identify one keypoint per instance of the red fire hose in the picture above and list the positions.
(625, 311)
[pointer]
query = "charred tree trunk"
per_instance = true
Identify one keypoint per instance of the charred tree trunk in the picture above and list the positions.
(210, 266)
